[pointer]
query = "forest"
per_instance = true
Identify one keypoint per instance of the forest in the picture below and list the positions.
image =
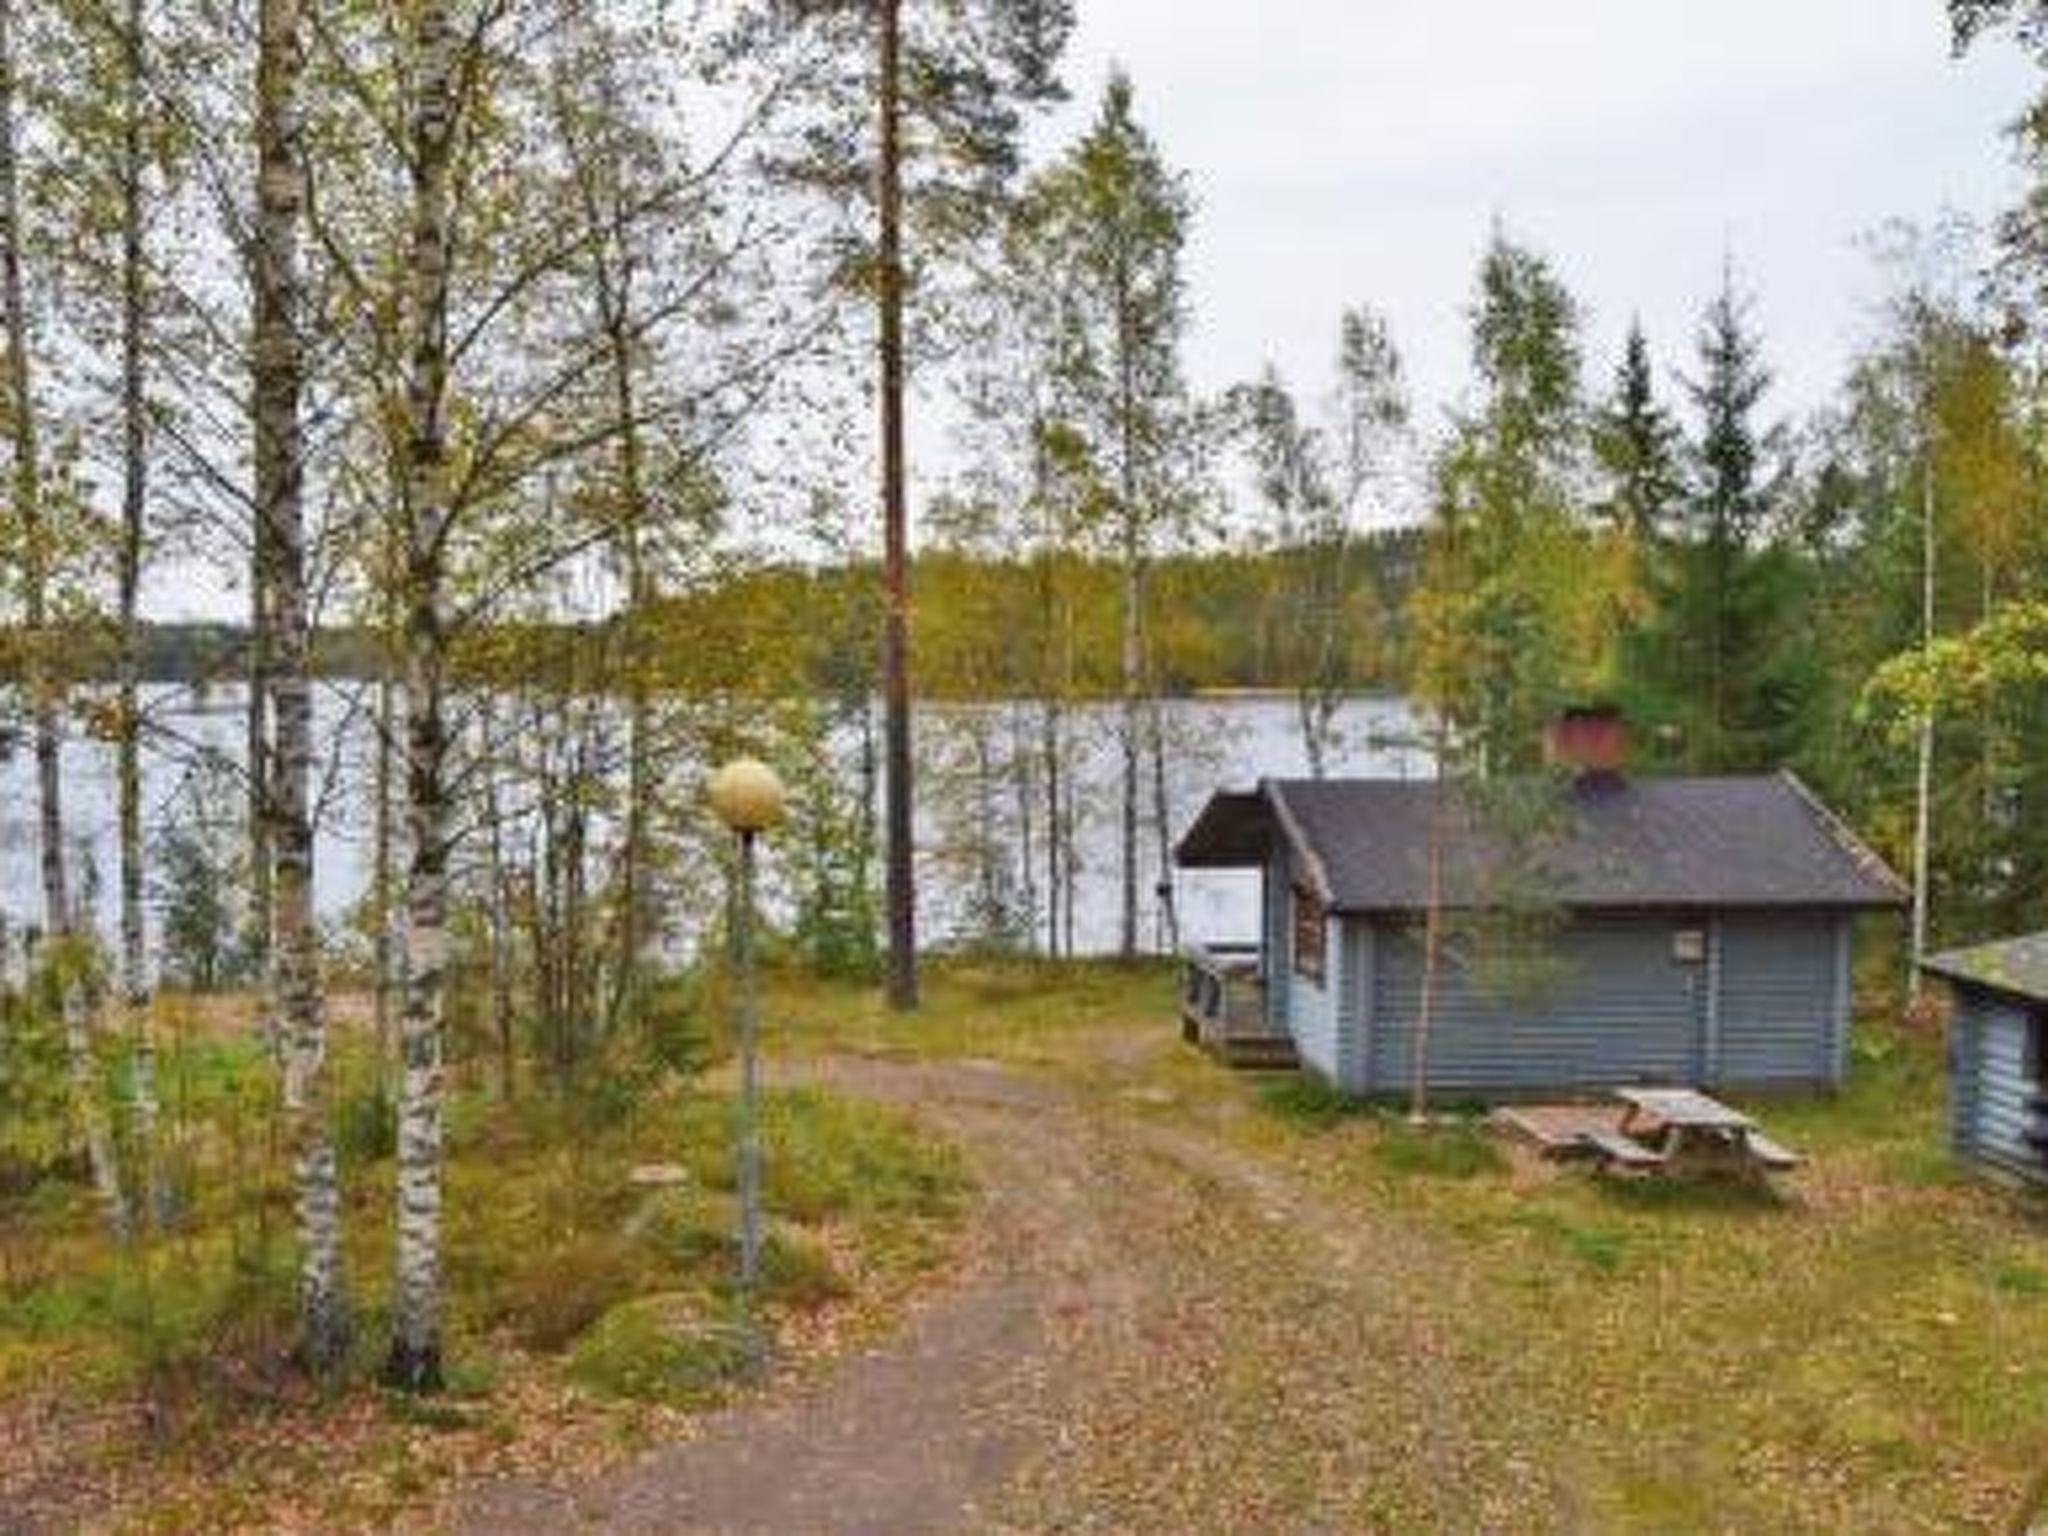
(526, 381)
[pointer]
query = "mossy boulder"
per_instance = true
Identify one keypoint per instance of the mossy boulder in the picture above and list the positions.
(675, 1348)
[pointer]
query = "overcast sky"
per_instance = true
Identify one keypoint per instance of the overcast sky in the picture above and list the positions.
(1347, 151)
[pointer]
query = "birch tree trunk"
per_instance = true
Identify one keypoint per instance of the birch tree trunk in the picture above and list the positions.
(636, 915)
(1127, 943)
(1162, 826)
(500, 899)
(1050, 749)
(257, 755)
(1133, 658)
(62, 946)
(415, 1359)
(1432, 938)
(384, 945)
(901, 876)
(280, 508)
(1923, 785)
(134, 978)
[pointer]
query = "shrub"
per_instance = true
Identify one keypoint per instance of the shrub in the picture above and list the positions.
(571, 1285)
(826, 1156)
(366, 1127)
(795, 1270)
(676, 1024)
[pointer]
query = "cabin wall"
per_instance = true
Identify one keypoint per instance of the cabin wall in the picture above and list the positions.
(1274, 943)
(1610, 1004)
(1313, 1019)
(1765, 1004)
(1781, 1012)
(1992, 1086)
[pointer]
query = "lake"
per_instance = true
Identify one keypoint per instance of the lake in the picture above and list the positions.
(193, 764)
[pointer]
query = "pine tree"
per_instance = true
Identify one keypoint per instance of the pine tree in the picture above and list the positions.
(959, 76)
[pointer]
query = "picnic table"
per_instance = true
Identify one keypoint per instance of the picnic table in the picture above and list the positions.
(1683, 1130)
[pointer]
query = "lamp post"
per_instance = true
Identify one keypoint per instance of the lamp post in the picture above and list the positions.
(748, 798)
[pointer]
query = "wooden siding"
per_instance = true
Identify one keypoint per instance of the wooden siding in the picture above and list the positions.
(1619, 1008)
(1279, 964)
(1354, 1017)
(1313, 1006)
(1991, 1084)
(1779, 993)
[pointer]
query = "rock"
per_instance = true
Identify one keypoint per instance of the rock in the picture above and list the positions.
(658, 1176)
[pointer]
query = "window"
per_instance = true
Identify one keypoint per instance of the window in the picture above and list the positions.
(1311, 922)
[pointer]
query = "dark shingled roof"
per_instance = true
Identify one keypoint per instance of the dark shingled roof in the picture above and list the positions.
(2016, 967)
(1604, 841)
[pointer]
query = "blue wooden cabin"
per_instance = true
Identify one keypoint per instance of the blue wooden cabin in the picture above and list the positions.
(1698, 932)
(1998, 1053)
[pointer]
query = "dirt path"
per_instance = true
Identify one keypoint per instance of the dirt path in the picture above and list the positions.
(1153, 1331)
(912, 1436)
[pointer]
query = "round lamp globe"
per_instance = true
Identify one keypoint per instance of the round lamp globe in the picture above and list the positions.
(747, 795)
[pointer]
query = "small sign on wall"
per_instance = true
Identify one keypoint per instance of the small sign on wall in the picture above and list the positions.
(1689, 946)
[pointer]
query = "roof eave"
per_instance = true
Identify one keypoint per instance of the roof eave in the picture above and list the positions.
(1311, 862)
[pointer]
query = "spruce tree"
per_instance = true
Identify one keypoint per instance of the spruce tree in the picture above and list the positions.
(1710, 667)
(1636, 445)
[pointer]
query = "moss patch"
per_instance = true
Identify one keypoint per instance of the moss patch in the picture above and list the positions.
(674, 1349)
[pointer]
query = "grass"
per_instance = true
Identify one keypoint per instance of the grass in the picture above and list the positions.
(1867, 1348)
(1864, 1346)
(1307, 1101)
(1457, 1150)
(1022, 1012)
(566, 1280)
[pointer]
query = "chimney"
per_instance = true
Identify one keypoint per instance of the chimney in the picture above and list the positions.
(1587, 739)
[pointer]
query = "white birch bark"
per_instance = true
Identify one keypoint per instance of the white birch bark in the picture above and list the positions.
(134, 977)
(65, 944)
(1923, 789)
(415, 1359)
(280, 501)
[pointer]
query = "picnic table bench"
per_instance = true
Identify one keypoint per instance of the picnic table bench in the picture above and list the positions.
(1684, 1130)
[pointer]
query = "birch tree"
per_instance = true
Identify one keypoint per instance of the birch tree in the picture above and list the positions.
(415, 1357)
(68, 947)
(1117, 216)
(1315, 480)
(134, 970)
(502, 360)
(280, 472)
